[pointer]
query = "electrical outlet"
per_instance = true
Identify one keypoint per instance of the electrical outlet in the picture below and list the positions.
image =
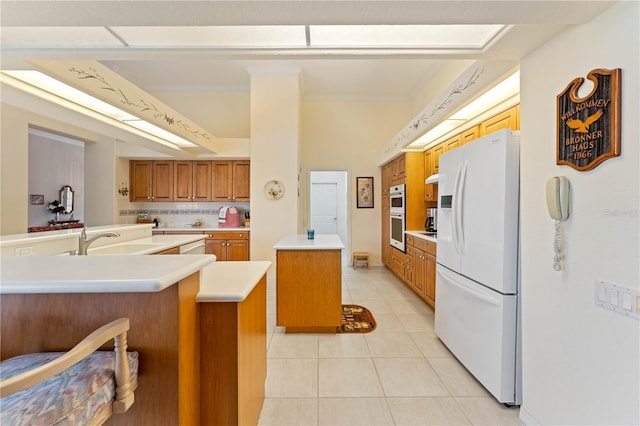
(616, 298)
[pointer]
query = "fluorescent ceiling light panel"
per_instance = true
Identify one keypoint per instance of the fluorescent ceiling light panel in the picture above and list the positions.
(62, 90)
(441, 129)
(57, 37)
(411, 36)
(223, 36)
(494, 96)
(503, 91)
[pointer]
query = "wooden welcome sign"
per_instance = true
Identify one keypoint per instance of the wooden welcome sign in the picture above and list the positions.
(589, 127)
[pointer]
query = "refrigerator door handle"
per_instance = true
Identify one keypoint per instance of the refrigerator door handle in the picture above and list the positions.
(460, 210)
(451, 279)
(454, 210)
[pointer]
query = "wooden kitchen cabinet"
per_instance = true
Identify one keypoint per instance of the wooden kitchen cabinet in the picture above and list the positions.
(386, 231)
(398, 170)
(469, 135)
(438, 150)
(228, 245)
(192, 181)
(233, 358)
(231, 180)
(308, 290)
(509, 118)
(424, 278)
(387, 178)
(151, 180)
(402, 265)
(451, 144)
(430, 189)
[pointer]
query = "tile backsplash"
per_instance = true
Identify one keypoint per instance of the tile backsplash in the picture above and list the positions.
(172, 215)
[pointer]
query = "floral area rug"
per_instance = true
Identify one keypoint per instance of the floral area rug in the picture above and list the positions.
(356, 319)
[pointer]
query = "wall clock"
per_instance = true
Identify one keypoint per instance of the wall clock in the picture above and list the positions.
(274, 190)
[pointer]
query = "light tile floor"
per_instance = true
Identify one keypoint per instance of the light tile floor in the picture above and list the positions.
(399, 374)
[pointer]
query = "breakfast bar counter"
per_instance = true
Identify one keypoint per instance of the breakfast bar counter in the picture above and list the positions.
(198, 325)
(309, 283)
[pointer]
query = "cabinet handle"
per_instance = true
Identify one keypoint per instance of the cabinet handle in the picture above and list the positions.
(228, 198)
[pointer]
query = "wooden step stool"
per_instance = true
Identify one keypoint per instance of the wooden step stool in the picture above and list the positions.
(360, 256)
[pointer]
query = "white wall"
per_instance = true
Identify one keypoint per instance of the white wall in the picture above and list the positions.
(52, 164)
(349, 136)
(225, 114)
(14, 159)
(275, 118)
(581, 363)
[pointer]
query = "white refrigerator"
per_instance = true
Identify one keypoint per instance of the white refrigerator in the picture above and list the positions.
(477, 271)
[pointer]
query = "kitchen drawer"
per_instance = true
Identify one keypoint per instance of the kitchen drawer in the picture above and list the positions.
(410, 251)
(402, 258)
(228, 235)
(409, 240)
(424, 245)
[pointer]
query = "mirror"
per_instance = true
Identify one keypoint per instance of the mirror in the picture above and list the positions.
(66, 199)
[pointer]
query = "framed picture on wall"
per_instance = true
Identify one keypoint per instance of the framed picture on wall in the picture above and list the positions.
(364, 187)
(36, 199)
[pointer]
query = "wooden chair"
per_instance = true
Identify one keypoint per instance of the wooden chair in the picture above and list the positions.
(82, 391)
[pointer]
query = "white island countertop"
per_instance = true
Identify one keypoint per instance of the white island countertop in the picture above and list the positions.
(300, 242)
(96, 274)
(230, 281)
(149, 245)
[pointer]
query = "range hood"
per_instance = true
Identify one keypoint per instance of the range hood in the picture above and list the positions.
(432, 179)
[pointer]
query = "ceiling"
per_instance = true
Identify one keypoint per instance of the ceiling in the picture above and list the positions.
(155, 44)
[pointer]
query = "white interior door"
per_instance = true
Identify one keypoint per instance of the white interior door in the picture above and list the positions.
(328, 205)
(324, 207)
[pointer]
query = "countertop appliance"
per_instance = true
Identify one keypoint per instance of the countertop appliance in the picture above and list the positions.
(396, 217)
(431, 224)
(228, 217)
(477, 279)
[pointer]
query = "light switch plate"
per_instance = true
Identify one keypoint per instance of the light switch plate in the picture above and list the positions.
(614, 297)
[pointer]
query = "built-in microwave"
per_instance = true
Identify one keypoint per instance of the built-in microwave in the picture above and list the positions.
(396, 199)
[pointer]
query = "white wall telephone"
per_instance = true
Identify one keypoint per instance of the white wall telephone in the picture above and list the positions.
(558, 191)
(558, 194)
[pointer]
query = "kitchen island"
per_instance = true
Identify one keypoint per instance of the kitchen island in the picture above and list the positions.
(309, 283)
(169, 301)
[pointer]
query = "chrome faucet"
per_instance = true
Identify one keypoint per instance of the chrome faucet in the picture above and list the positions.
(83, 243)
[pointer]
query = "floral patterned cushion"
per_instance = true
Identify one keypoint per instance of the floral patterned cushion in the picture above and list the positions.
(72, 397)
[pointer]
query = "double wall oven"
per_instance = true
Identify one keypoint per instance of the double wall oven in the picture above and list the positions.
(397, 211)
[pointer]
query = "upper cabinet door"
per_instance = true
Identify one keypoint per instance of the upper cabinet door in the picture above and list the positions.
(201, 182)
(241, 180)
(231, 180)
(140, 180)
(508, 118)
(162, 180)
(222, 175)
(182, 181)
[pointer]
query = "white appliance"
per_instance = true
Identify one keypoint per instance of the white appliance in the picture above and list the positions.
(396, 217)
(196, 247)
(397, 199)
(477, 274)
